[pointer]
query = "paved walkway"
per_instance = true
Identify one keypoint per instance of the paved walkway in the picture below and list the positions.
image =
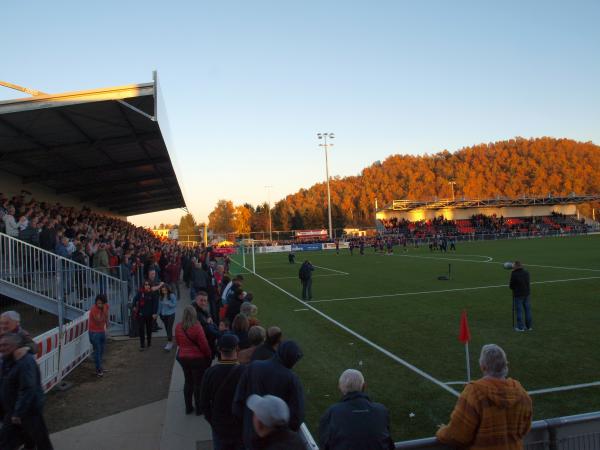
(161, 425)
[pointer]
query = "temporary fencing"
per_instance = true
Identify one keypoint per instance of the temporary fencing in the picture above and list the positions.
(59, 354)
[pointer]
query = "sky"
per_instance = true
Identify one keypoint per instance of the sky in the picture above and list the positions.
(248, 85)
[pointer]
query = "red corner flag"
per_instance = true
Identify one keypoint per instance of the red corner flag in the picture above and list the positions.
(464, 334)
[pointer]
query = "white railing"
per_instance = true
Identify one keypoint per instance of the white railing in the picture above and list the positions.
(58, 354)
(63, 287)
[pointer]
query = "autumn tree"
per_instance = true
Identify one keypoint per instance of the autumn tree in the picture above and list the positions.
(242, 219)
(221, 219)
(188, 230)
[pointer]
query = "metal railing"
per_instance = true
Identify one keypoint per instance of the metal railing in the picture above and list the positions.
(57, 284)
(578, 432)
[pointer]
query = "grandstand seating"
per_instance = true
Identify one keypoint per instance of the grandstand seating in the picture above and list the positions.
(484, 225)
(50, 257)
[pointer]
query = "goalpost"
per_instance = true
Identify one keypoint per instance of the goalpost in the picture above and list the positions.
(249, 248)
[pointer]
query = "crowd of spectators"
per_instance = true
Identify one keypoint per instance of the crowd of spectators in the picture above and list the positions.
(481, 224)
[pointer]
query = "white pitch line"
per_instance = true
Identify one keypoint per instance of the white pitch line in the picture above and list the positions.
(489, 258)
(441, 291)
(333, 270)
(364, 339)
(564, 388)
(296, 278)
(301, 309)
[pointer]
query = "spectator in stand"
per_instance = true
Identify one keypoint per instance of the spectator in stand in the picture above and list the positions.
(21, 398)
(492, 413)
(250, 310)
(355, 423)
(240, 327)
(256, 337)
(10, 322)
(10, 224)
(234, 304)
(270, 421)
(97, 326)
(101, 259)
(167, 305)
(218, 390)
(211, 330)
(275, 377)
(145, 308)
(194, 355)
(230, 287)
(270, 346)
(200, 280)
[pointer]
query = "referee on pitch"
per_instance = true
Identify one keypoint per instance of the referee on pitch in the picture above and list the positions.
(520, 286)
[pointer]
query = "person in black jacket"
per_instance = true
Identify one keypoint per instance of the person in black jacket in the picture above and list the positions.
(211, 330)
(305, 275)
(21, 398)
(145, 307)
(520, 286)
(218, 390)
(275, 377)
(355, 422)
(268, 348)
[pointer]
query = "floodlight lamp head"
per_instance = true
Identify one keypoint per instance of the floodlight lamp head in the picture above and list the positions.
(331, 135)
(319, 135)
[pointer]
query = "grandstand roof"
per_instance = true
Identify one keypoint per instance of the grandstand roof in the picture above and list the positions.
(104, 146)
(408, 205)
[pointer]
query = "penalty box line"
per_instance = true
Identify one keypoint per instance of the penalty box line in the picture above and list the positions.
(441, 291)
(362, 338)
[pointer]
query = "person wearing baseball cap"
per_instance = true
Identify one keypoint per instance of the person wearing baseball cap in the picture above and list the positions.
(217, 392)
(270, 419)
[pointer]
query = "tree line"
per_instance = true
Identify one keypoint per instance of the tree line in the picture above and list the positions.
(513, 168)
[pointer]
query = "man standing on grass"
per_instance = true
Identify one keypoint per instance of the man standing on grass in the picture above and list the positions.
(492, 413)
(520, 286)
(305, 275)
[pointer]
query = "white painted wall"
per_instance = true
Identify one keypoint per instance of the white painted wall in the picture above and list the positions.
(11, 185)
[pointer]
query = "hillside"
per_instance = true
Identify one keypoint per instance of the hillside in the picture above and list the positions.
(510, 168)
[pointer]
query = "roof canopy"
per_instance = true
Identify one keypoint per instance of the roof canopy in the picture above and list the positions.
(409, 205)
(103, 146)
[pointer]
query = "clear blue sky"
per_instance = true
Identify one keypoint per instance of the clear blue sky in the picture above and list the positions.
(248, 84)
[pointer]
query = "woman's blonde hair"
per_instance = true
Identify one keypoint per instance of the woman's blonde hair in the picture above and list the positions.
(189, 317)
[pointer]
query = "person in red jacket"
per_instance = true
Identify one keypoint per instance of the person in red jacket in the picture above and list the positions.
(194, 355)
(97, 326)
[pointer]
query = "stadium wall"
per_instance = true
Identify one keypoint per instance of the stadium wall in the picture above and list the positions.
(12, 185)
(467, 213)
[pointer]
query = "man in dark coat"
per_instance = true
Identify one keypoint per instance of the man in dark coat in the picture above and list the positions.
(520, 286)
(211, 330)
(218, 389)
(355, 422)
(21, 398)
(274, 377)
(305, 275)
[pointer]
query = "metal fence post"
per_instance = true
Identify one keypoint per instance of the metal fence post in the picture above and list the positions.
(125, 306)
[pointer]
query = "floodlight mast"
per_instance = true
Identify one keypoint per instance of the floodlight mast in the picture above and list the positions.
(325, 145)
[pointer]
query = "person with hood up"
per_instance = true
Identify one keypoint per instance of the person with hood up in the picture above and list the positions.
(271, 377)
(492, 413)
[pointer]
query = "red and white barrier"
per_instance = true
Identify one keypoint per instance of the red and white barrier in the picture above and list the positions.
(57, 357)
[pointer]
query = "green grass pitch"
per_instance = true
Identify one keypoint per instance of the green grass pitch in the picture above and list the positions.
(399, 305)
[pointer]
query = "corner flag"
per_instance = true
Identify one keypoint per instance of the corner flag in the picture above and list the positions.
(464, 336)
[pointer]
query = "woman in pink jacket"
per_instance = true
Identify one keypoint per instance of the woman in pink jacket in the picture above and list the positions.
(194, 355)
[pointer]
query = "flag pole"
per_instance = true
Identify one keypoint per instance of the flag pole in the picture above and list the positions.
(468, 365)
